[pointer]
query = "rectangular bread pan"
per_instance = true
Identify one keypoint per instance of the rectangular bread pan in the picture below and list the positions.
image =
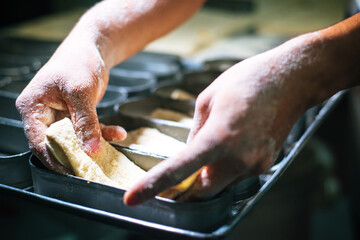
(108, 104)
(14, 154)
(135, 83)
(27, 47)
(243, 190)
(143, 107)
(13, 65)
(163, 67)
(7, 105)
(192, 216)
(192, 82)
(110, 101)
(220, 64)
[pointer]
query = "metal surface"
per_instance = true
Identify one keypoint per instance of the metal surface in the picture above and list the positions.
(136, 84)
(220, 64)
(27, 47)
(110, 101)
(130, 123)
(192, 82)
(160, 210)
(143, 107)
(163, 66)
(14, 154)
(7, 105)
(168, 232)
(12, 65)
(10, 89)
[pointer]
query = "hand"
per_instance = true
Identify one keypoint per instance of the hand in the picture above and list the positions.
(69, 85)
(241, 122)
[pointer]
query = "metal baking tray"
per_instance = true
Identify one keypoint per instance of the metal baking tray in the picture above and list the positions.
(160, 210)
(220, 64)
(193, 82)
(12, 65)
(143, 107)
(109, 103)
(168, 232)
(163, 66)
(14, 154)
(163, 211)
(136, 84)
(130, 123)
(7, 105)
(243, 190)
(27, 47)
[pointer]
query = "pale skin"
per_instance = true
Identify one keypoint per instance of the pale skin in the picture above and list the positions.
(241, 119)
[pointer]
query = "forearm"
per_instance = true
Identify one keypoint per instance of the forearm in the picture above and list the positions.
(120, 28)
(319, 64)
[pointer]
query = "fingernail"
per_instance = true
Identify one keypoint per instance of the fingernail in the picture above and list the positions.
(131, 200)
(92, 146)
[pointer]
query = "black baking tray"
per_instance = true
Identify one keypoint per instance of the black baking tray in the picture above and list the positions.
(135, 83)
(11, 88)
(168, 232)
(164, 67)
(13, 65)
(193, 82)
(143, 107)
(190, 216)
(14, 152)
(220, 64)
(7, 105)
(102, 197)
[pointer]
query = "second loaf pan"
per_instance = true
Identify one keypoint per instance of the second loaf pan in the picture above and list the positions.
(192, 82)
(143, 107)
(14, 154)
(192, 216)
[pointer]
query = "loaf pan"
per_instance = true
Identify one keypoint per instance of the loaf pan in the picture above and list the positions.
(143, 107)
(110, 101)
(107, 105)
(192, 216)
(192, 82)
(14, 154)
(164, 67)
(12, 65)
(7, 105)
(130, 123)
(220, 64)
(136, 84)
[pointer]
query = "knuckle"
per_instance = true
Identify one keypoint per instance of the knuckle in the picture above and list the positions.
(202, 103)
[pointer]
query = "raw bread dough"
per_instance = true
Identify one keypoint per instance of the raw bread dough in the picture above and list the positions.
(170, 115)
(152, 141)
(180, 94)
(109, 167)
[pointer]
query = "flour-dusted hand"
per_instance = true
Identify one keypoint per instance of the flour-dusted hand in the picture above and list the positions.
(69, 85)
(75, 78)
(244, 116)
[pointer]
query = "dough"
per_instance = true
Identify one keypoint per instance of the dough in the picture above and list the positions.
(109, 167)
(152, 141)
(170, 115)
(179, 94)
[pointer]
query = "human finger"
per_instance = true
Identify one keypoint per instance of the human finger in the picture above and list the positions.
(113, 133)
(36, 119)
(85, 121)
(201, 151)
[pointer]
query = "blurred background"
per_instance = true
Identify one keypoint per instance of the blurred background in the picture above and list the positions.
(317, 198)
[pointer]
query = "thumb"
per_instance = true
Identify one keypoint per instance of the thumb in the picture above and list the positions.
(86, 124)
